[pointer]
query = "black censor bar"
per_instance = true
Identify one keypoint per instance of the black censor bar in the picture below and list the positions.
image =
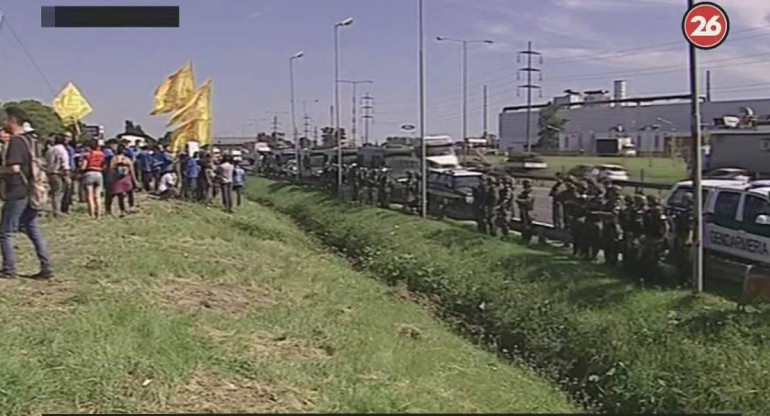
(109, 16)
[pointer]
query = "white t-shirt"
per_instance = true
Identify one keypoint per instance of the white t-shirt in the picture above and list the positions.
(168, 180)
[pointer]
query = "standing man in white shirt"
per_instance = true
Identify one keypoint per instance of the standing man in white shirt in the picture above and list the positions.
(58, 163)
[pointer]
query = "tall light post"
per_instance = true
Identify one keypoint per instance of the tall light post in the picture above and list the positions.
(697, 165)
(346, 22)
(423, 147)
(354, 126)
(297, 55)
(465, 43)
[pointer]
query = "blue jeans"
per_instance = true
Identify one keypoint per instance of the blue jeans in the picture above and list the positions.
(18, 214)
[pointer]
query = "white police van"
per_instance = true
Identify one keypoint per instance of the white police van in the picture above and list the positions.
(736, 217)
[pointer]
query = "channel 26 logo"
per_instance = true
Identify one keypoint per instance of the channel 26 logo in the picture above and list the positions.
(705, 25)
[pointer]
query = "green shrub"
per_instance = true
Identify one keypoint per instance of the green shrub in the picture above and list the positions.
(614, 346)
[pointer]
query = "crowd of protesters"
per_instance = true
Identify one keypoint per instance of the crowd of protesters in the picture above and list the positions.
(98, 174)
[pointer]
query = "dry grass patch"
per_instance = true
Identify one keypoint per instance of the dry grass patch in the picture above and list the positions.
(210, 391)
(232, 298)
(30, 294)
(264, 345)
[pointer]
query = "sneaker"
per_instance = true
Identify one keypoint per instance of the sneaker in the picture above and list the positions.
(43, 275)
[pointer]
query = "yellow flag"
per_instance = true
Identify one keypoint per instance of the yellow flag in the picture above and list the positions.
(174, 92)
(183, 134)
(204, 131)
(70, 105)
(197, 107)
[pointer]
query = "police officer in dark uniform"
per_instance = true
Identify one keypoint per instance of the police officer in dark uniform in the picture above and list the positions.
(593, 222)
(507, 197)
(683, 221)
(409, 191)
(526, 203)
(611, 230)
(385, 189)
(557, 208)
(479, 198)
(634, 235)
(655, 229)
(575, 207)
(492, 198)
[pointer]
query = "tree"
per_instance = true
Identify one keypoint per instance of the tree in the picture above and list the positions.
(551, 125)
(328, 137)
(44, 120)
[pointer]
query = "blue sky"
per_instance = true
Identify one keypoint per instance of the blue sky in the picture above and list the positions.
(245, 45)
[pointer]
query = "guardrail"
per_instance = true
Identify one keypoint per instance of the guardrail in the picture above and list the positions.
(630, 184)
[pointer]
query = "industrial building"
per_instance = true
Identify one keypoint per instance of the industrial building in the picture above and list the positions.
(654, 123)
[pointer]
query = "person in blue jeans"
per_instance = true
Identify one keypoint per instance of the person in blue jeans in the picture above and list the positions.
(16, 209)
(239, 179)
(192, 171)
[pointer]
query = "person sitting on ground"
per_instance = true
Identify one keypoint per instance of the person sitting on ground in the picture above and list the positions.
(123, 178)
(167, 186)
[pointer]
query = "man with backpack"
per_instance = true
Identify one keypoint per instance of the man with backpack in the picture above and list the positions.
(24, 193)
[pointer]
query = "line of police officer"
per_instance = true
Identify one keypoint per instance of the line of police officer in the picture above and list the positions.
(368, 185)
(495, 202)
(631, 227)
(597, 218)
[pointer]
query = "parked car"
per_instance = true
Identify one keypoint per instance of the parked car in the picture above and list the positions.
(600, 172)
(729, 173)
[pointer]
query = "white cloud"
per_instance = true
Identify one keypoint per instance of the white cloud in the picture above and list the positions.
(255, 15)
(498, 29)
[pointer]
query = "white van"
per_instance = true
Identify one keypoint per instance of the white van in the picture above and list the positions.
(736, 219)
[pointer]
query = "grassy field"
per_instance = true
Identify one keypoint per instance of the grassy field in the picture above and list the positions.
(181, 308)
(617, 343)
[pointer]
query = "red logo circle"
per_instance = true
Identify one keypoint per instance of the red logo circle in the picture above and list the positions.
(706, 25)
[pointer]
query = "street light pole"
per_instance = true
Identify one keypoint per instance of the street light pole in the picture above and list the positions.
(423, 158)
(346, 22)
(465, 43)
(293, 113)
(697, 167)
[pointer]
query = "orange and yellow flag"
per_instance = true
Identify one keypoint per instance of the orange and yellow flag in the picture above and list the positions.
(182, 135)
(175, 91)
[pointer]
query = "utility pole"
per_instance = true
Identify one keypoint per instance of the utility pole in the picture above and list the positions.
(697, 164)
(529, 69)
(306, 118)
(354, 126)
(367, 107)
(485, 113)
(315, 135)
(331, 115)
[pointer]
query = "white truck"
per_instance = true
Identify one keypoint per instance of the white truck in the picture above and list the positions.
(745, 148)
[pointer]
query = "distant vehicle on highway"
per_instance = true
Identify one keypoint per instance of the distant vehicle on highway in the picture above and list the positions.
(729, 173)
(613, 173)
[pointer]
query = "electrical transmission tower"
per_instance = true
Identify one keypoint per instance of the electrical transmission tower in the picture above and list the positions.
(529, 86)
(367, 107)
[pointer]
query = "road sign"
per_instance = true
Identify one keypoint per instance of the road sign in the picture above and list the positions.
(706, 25)
(407, 127)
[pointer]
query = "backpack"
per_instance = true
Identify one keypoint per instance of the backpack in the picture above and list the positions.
(37, 183)
(121, 171)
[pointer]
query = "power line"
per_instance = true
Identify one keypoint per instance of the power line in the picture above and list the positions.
(29, 55)
(587, 57)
